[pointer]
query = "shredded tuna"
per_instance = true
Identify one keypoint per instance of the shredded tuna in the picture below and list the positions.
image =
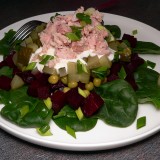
(93, 38)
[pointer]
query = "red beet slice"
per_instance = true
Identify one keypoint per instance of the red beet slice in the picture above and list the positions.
(33, 89)
(131, 39)
(5, 83)
(91, 104)
(43, 92)
(74, 99)
(58, 99)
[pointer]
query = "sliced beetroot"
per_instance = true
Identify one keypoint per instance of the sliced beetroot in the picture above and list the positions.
(33, 89)
(91, 104)
(58, 99)
(5, 83)
(131, 39)
(74, 99)
(27, 76)
(43, 92)
(9, 60)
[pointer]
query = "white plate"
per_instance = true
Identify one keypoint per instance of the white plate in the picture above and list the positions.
(102, 136)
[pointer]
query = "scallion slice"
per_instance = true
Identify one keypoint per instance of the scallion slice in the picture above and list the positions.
(141, 122)
(45, 59)
(70, 131)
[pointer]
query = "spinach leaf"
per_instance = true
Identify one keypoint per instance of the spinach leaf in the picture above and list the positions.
(6, 71)
(121, 106)
(148, 89)
(69, 118)
(146, 48)
(36, 115)
(115, 30)
(4, 97)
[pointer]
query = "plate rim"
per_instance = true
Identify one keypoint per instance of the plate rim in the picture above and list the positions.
(79, 147)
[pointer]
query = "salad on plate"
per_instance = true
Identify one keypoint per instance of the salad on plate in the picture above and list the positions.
(76, 70)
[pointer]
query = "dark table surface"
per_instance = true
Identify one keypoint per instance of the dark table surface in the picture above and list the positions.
(147, 11)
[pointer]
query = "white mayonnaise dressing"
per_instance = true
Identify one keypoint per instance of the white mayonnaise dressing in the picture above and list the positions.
(63, 62)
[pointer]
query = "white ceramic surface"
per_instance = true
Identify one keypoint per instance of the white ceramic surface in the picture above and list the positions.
(102, 136)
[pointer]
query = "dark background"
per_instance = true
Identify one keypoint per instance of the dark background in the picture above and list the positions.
(147, 11)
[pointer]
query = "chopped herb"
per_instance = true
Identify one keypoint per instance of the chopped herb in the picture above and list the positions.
(84, 17)
(48, 103)
(70, 131)
(45, 59)
(30, 66)
(81, 67)
(44, 130)
(79, 113)
(24, 110)
(134, 32)
(72, 36)
(122, 73)
(141, 122)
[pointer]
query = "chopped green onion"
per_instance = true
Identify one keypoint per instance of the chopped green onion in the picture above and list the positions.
(81, 92)
(48, 103)
(72, 36)
(45, 59)
(134, 32)
(122, 73)
(79, 113)
(31, 66)
(44, 130)
(100, 72)
(151, 64)
(81, 67)
(24, 110)
(84, 17)
(70, 131)
(141, 122)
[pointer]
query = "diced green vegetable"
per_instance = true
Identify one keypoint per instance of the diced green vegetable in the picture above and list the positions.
(79, 113)
(45, 59)
(48, 102)
(141, 122)
(70, 131)
(44, 130)
(31, 66)
(134, 32)
(24, 110)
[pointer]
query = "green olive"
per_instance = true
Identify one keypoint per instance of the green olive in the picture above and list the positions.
(53, 79)
(89, 86)
(97, 82)
(72, 84)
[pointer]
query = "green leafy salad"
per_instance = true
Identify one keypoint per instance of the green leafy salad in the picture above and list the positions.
(76, 95)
